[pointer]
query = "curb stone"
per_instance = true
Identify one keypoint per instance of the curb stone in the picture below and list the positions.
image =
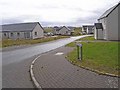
(37, 85)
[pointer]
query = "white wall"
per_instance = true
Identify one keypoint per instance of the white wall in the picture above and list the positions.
(15, 35)
(98, 34)
(64, 31)
(105, 29)
(39, 30)
(119, 22)
(112, 25)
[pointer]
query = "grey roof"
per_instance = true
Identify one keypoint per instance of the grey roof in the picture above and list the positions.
(19, 27)
(109, 11)
(59, 28)
(65, 27)
(98, 26)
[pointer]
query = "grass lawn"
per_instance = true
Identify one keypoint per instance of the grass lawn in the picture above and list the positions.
(102, 56)
(90, 38)
(6, 43)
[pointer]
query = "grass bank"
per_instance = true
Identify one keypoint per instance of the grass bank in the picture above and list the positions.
(9, 42)
(101, 56)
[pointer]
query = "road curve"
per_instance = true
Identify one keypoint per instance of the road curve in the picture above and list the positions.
(15, 64)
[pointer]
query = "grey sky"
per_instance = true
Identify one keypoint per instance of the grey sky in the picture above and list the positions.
(54, 12)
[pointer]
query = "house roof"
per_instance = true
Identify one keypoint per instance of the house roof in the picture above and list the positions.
(98, 26)
(66, 28)
(59, 28)
(19, 27)
(107, 13)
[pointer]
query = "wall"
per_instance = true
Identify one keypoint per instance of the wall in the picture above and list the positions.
(112, 25)
(64, 31)
(39, 30)
(98, 33)
(15, 35)
(118, 22)
(105, 29)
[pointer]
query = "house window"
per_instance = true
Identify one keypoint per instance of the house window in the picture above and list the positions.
(27, 35)
(18, 34)
(11, 34)
(35, 33)
(5, 34)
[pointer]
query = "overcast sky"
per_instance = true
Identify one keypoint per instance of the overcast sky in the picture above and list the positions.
(54, 12)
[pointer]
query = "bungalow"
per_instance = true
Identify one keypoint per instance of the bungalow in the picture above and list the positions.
(63, 31)
(31, 30)
(87, 29)
(108, 22)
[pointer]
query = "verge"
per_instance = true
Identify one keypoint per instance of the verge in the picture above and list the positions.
(94, 70)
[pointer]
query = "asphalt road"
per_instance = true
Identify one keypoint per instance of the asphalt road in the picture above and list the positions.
(15, 63)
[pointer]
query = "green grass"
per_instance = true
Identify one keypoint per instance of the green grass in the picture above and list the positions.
(76, 32)
(48, 30)
(9, 42)
(102, 56)
(90, 38)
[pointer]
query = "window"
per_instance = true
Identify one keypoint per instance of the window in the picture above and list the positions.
(35, 33)
(18, 34)
(5, 34)
(27, 35)
(11, 34)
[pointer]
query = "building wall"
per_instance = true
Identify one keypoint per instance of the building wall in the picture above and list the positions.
(105, 29)
(0, 35)
(112, 25)
(4, 36)
(39, 30)
(57, 32)
(98, 33)
(14, 35)
(119, 22)
(64, 31)
(84, 29)
(89, 30)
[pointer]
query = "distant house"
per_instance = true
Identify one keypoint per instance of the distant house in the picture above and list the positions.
(62, 31)
(31, 30)
(109, 21)
(87, 29)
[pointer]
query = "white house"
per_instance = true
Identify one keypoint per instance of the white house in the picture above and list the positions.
(30, 30)
(88, 29)
(63, 31)
(109, 21)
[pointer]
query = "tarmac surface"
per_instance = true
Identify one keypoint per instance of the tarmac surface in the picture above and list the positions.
(52, 70)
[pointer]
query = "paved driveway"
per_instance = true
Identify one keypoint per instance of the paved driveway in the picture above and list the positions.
(54, 71)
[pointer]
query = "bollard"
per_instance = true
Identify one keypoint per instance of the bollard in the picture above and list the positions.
(79, 51)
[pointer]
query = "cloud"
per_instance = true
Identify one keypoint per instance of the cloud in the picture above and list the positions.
(68, 12)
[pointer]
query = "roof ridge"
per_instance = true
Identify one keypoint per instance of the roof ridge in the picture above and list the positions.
(21, 23)
(108, 11)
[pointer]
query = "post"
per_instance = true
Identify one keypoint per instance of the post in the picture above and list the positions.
(79, 51)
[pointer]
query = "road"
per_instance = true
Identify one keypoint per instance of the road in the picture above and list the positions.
(15, 63)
